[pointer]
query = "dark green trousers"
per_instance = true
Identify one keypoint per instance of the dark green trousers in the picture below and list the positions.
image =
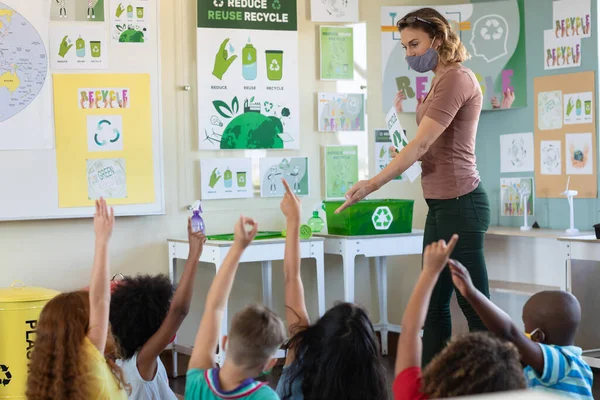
(469, 217)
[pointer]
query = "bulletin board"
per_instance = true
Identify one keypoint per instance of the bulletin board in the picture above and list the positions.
(565, 135)
(46, 149)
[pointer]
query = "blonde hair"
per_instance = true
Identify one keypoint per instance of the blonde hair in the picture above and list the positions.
(255, 336)
(451, 50)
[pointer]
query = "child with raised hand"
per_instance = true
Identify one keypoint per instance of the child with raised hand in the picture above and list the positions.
(472, 364)
(552, 361)
(74, 354)
(255, 335)
(144, 321)
(338, 356)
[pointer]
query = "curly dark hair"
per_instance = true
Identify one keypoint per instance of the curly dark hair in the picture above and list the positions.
(138, 307)
(473, 364)
(338, 358)
(59, 368)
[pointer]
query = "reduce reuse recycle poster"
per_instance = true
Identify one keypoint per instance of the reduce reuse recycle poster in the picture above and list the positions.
(248, 74)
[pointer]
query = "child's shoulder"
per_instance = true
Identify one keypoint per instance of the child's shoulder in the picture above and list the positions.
(264, 392)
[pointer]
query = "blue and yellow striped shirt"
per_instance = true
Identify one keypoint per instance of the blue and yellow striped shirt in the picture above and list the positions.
(565, 373)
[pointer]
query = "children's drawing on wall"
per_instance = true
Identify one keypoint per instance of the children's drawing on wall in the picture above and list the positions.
(129, 21)
(337, 52)
(572, 18)
(580, 154)
(77, 10)
(294, 170)
(103, 98)
(550, 157)
(550, 110)
(80, 47)
(226, 178)
(341, 170)
(491, 32)
(516, 152)
(511, 189)
(341, 112)
(561, 53)
(579, 108)
(105, 132)
(385, 151)
(334, 10)
(106, 178)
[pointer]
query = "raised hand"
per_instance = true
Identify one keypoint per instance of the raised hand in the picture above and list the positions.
(437, 254)
(104, 221)
(461, 278)
(241, 235)
(290, 206)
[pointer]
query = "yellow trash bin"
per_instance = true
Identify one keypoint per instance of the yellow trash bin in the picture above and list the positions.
(20, 308)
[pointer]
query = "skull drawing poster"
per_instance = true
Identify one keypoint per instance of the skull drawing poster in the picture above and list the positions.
(493, 34)
(248, 96)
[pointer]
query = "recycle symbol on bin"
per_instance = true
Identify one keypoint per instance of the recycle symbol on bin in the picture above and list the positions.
(5, 375)
(274, 65)
(96, 49)
(218, 3)
(382, 218)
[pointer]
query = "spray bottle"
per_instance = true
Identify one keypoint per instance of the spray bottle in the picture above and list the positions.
(197, 221)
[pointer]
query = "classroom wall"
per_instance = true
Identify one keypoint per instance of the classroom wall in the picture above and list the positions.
(549, 213)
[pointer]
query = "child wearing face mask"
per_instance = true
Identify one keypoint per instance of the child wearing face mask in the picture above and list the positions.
(552, 361)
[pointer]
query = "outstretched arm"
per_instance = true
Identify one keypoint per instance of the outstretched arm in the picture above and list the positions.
(179, 309)
(435, 258)
(104, 221)
(496, 320)
(207, 339)
(295, 305)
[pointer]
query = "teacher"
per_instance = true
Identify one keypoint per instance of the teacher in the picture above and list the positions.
(445, 143)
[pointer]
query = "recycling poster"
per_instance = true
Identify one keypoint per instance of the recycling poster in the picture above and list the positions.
(248, 95)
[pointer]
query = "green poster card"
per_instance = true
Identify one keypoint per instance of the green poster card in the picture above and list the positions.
(337, 52)
(270, 15)
(341, 170)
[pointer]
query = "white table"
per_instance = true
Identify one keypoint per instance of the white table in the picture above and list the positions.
(263, 251)
(378, 247)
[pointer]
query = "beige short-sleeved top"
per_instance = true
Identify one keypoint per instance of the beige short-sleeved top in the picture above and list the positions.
(449, 167)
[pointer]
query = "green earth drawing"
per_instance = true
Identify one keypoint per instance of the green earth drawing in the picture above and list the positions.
(252, 130)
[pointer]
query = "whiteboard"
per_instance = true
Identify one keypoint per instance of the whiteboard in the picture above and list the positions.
(28, 178)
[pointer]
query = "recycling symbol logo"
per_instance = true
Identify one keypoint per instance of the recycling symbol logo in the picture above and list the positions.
(104, 128)
(218, 3)
(495, 25)
(274, 66)
(276, 5)
(5, 375)
(382, 218)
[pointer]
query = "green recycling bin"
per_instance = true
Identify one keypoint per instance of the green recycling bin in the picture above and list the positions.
(20, 308)
(370, 217)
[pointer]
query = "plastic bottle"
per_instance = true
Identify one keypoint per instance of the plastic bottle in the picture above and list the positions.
(129, 11)
(228, 178)
(578, 107)
(80, 47)
(249, 66)
(315, 222)
(197, 221)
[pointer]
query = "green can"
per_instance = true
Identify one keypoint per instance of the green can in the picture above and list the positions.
(370, 217)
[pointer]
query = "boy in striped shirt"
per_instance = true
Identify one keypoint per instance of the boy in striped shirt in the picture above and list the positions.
(552, 362)
(254, 337)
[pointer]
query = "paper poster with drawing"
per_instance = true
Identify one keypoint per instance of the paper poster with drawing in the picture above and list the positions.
(579, 108)
(106, 178)
(337, 52)
(78, 47)
(226, 178)
(550, 110)
(399, 140)
(579, 154)
(334, 10)
(341, 170)
(511, 194)
(384, 151)
(561, 53)
(341, 112)
(293, 169)
(572, 18)
(77, 10)
(248, 88)
(550, 157)
(129, 21)
(492, 32)
(516, 152)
